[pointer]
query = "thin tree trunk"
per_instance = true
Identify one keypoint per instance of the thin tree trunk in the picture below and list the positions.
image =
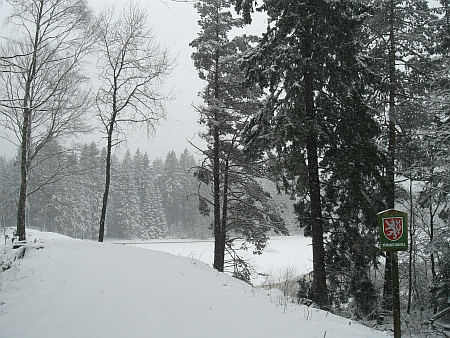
(223, 228)
(410, 258)
(390, 172)
(24, 146)
(101, 230)
(433, 263)
(21, 211)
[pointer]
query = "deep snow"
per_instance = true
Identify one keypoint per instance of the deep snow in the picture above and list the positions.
(64, 287)
(281, 253)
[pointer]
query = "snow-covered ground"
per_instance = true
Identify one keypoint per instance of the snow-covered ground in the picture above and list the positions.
(281, 253)
(63, 287)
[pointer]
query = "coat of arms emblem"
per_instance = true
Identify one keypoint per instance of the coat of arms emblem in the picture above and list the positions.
(393, 228)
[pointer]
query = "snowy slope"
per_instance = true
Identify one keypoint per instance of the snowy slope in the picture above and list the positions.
(71, 288)
(281, 252)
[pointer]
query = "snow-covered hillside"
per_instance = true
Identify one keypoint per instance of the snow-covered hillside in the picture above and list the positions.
(63, 287)
(293, 253)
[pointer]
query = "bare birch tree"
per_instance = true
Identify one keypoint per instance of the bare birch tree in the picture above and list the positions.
(132, 69)
(43, 96)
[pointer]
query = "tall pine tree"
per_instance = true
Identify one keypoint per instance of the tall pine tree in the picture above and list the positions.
(235, 193)
(308, 61)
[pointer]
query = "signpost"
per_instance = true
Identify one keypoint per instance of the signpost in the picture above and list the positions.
(393, 227)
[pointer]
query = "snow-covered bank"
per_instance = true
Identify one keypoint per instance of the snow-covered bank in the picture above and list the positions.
(73, 288)
(282, 252)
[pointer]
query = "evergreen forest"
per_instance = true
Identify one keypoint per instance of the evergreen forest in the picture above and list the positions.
(149, 199)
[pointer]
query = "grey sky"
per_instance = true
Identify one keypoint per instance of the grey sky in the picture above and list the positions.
(174, 25)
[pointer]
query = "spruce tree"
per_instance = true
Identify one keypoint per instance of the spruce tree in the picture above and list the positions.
(228, 105)
(156, 218)
(90, 183)
(191, 222)
(171, 191)
(308, 61)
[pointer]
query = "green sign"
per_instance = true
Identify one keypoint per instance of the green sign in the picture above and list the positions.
(393, 225)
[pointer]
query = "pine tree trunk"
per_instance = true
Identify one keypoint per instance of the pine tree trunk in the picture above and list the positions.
(219, 236)
(390, 172)
(432, 260)
(411, 246)
(223, 227)
(319, 275)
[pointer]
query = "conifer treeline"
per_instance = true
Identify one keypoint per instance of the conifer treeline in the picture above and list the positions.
(148, 199)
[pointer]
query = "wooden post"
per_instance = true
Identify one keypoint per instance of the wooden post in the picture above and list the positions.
(395, 295)
(393, 226)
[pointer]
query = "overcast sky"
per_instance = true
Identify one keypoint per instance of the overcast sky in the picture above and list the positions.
(174, 25)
